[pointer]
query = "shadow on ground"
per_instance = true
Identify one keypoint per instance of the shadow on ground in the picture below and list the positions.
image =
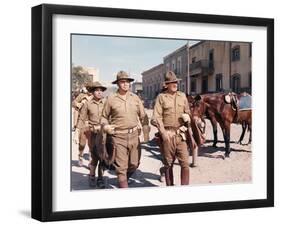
(217, 152)
(80, 181)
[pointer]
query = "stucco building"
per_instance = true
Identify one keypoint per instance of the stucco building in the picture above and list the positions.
(177, 62)
(152, 81)
(137, 88)
(220, 66)
(214, 66)
(93, 72)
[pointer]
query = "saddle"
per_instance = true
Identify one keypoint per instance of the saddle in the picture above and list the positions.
(245, 102)
(232, 99)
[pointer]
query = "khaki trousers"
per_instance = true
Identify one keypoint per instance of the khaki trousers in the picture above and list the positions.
(75, 117)
(84, 136)
(174, 148)
(94, 162)
(128, 154)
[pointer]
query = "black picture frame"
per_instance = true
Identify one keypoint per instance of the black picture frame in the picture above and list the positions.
(42, 108)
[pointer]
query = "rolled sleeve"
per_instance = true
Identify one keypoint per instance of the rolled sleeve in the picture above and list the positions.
(84, 113)
(141, 111)
(157, 113)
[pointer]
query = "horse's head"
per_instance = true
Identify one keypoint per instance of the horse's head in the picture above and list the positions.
(190, 98)
(198, 107)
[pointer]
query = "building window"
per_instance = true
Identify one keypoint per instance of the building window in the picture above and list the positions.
(235, 53)
(167, 67)
(174, 65)
(218, 82)
(205, 84)
(193, 86)
(250, 80)
(235, 83)
(181, 86)
(193, 60)
(179, 66)
(211, 58)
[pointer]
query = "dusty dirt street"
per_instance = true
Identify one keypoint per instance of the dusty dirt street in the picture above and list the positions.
(212, 167)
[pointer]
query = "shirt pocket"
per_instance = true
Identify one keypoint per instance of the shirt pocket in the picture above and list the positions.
(180, 108)
(117, 108)
(92, 112)
(133, 106)
(168, 107)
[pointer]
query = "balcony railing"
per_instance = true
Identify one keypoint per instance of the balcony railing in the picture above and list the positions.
(202, 67)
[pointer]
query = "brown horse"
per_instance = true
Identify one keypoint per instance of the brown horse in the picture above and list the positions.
(245, 118)
(200, 110)
(195, 137)
(218, 107)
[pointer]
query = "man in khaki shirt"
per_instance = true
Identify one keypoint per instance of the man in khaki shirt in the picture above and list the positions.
(171, 112)
(80, 127)
(124, 110)
(77, 104)
(90, 116)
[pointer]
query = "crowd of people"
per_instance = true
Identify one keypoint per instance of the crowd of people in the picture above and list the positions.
(122, 116)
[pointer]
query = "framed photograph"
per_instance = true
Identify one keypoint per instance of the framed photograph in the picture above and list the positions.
(146, 112)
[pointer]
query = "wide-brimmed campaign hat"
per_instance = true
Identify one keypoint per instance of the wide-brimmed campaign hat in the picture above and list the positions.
(122, 75)
(171, 77)
(94, 85)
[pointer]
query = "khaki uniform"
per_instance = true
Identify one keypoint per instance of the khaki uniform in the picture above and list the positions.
(167, 118)
(91, 114)
(125, 115)
(77, 104)
(80, 125)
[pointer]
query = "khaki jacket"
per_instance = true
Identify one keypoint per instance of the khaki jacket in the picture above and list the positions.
(91, 112)
(124, 114)
(169, 108)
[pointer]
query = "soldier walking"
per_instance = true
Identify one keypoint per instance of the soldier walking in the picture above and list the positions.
(78, 103)
(91, 113)
(124, 110)
(171, 115)
(80, 128)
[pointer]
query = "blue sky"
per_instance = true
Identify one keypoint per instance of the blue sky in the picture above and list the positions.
(111, 54)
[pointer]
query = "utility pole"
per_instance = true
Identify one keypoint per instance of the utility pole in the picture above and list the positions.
(188, 77)
(230, 60)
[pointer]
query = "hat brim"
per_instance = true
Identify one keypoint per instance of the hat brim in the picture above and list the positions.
(93, 88)
(129, 79)
(167, 82)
